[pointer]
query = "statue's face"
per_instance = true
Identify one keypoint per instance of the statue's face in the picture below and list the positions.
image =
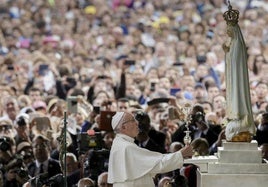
(229, 31)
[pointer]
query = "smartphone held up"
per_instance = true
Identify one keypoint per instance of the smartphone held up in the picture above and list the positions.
(72, 104)
(129, 62)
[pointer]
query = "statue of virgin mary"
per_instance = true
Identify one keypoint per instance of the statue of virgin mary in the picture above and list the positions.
(240, 124)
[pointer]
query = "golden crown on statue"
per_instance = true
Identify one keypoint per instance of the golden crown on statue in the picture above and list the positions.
(231, 16)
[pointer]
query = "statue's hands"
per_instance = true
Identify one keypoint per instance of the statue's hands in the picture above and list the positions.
(225, 47)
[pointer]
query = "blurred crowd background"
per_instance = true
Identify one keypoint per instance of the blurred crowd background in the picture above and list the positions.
(75, 62)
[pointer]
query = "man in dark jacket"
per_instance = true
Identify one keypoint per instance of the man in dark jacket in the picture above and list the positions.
(144, 139)
(43, 164)
(262, 130)
(199, 128)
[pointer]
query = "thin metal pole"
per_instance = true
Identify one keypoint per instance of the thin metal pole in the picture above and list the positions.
(65, 149)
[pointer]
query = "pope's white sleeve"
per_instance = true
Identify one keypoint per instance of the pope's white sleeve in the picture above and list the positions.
(169, 162)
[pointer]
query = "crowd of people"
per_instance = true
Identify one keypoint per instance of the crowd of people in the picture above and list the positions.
(71, 64)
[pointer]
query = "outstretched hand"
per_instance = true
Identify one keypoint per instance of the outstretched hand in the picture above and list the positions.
(187, 151)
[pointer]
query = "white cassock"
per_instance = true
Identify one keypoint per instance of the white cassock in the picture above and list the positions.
(132, 166)
(238, 103)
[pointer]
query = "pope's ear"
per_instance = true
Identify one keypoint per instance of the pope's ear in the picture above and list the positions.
(123, 127)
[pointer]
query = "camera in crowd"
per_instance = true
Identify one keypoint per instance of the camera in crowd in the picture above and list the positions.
(5, 144)
(22, 172)
(198, 117)
(44, 181)
(96, 163)
(21, 121)
(17, 165)
(89, 141)
(201, 59)
(72, 104)
(26, 155)
(143, 121)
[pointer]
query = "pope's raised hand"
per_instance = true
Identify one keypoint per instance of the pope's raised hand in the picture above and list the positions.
(187, 151)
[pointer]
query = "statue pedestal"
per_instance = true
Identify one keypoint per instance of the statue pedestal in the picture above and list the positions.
(239, 164)
(202, 162)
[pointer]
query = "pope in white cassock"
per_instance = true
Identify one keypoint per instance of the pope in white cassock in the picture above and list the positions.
(131, 165)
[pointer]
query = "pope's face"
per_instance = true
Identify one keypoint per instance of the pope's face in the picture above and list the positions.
(131, 126)
(134, 128)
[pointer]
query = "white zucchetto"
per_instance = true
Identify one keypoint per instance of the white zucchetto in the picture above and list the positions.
(117, 119)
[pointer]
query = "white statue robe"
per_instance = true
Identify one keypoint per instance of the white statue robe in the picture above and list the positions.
(238, 110)
(132, 166)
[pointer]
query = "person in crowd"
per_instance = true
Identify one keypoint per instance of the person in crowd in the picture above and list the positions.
(262, 106)
(261, 91)
(108, 138)
(164, 182)
(7, 128)
(25, 151)
(11, 108)
(213, 90)
(22, 129)
(264, 150)
(16, 173)
(24, 102)
(143, 138)
(11, 164)
(262, 130)
(200, 93)
(199, 127)
(7, 150)
(254, 99)
(204, 129)
(91, 119)
(126, 154)
(207, 105)
(40, 106)
(219, 107)
(123, 104)
(72, 169)
(35, 94)
(200, 146)
(102, 180)
(86, 182)
(43, 164)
